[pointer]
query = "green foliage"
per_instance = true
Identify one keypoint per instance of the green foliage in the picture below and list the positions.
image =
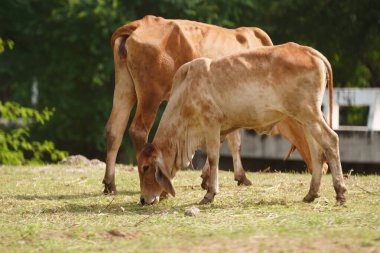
(15, 145)
(64, 46)
(4, 44)
(353, 115)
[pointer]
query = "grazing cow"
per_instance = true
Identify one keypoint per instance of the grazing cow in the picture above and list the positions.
(256, 90)
(147, 52)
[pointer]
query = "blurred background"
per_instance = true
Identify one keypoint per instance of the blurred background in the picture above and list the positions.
(56, 54)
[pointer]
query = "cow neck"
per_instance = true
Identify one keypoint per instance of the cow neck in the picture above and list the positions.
(165, 141)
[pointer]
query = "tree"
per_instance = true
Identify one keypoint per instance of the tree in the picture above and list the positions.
(63, 45)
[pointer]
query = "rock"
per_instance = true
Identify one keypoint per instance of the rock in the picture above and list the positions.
(36, 211)
(76, 160)
(80, 160)
(97, 163)
(192, 211)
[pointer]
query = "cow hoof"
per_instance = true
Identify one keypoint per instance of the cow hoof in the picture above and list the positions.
(204, 183)
(207, 199)
(109, 188)
(310, 197)
(243, 181)
(340, 200)
(340, 189)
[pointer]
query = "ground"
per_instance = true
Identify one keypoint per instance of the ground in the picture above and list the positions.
(60, 208)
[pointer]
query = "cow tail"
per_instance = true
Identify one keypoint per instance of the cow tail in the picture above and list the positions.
(330, 87)
(331, 94)
(124, 32)
(329, 77)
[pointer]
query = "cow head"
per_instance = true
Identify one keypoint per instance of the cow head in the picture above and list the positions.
(154, 178)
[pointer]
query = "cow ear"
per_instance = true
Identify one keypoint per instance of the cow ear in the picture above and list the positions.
(164, 181)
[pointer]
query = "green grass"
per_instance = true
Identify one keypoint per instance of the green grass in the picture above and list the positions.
(61, 209)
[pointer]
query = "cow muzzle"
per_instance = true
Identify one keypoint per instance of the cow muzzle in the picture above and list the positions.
(149, 201)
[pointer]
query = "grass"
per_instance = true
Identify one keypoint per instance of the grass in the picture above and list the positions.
(61, 209)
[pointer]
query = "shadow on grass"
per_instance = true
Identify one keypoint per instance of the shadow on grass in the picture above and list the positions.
(70, 196)
(121, 208)
(112, 205)
(124, 208)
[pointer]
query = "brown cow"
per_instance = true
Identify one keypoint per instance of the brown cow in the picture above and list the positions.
(147, 53)
(255, 89)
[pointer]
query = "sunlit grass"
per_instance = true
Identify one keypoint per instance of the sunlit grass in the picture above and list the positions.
(61, 209)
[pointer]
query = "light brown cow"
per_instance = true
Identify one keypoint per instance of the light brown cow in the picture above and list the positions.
(255, 90)
(147, 53)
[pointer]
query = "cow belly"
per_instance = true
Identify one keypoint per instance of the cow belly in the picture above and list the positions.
(251, 106)
(262, 122)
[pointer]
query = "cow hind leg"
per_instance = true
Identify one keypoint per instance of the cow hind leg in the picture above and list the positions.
(123, 101)
(316, 157)
(234, 141)
(329, 142)
(295, 134)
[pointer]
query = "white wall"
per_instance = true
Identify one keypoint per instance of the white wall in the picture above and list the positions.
(355, 97)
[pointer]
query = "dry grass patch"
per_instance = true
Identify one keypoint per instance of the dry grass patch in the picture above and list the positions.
(61, 209)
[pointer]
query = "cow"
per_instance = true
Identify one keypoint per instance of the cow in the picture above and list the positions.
(255, 90)
(147, 53)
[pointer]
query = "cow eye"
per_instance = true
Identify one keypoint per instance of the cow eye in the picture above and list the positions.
(145, 168)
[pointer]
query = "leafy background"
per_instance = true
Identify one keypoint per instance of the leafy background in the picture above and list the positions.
(63, 45)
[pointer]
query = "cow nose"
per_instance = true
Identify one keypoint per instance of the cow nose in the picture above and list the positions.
(142, 201)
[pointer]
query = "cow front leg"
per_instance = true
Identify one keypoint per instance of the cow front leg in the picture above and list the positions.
(205, 175)
(143, 122)
(234, 142)
(213, 145)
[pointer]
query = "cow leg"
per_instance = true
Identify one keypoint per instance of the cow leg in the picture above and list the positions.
(294, 133)
(316, 161)
(205, 175)
(143, 121)
(123, 101)
(329, 142)
(213, 146)
(234, 142)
